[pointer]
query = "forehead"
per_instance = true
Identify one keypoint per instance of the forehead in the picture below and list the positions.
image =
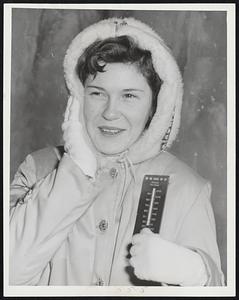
(119, 75)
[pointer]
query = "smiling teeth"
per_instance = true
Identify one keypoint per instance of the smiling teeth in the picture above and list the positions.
(111, 131)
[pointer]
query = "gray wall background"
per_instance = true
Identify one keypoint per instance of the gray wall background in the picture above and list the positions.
(198, 41)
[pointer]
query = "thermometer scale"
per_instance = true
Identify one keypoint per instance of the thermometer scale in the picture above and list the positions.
(151, 203)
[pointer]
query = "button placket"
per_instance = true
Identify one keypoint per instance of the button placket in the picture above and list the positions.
(104, 220)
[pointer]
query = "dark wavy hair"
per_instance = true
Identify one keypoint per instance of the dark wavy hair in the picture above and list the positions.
(120, 49)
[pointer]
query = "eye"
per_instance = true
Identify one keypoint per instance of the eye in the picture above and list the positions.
(96, 94)
(129, 96)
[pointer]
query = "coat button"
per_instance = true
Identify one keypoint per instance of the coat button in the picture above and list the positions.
(100, 282)
(113, 172)
(103, 225)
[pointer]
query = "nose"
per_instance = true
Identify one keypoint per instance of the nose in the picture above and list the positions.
(111, 111)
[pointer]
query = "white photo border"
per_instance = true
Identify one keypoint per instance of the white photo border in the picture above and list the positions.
(229, 289)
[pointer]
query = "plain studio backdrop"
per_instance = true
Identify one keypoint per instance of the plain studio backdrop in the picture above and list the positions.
(40, 38)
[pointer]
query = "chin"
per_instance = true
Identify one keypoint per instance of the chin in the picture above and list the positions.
(110, 152)
(107, 149)
(110, 146)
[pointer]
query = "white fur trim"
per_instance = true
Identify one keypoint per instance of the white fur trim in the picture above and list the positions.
(170, 95)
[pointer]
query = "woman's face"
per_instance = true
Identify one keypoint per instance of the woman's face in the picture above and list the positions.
(117, 106)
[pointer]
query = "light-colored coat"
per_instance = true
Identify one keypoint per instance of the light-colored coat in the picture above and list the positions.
(56, 229)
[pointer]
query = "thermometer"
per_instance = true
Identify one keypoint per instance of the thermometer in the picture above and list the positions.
(151, 203)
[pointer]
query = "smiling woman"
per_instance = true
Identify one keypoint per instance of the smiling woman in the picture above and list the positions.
(71, 204)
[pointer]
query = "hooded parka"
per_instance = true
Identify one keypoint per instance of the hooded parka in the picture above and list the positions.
(69, 229)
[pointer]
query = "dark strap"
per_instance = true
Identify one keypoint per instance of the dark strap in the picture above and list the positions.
(46, 160)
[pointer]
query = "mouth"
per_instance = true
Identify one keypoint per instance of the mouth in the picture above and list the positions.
(110, 131)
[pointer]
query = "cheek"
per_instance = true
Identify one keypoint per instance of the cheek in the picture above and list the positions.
(141, 116)
(137, 122)
(90, 110)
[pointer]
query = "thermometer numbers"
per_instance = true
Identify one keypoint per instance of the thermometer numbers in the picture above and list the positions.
(151, 202)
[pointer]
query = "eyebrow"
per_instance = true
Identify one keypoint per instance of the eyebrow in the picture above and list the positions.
(126, 90)
(133, 89)
(95, 87)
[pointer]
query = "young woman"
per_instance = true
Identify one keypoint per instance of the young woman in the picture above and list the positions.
(73, 209)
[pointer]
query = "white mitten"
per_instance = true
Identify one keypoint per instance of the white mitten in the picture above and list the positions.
(75, 141)
(156, 259)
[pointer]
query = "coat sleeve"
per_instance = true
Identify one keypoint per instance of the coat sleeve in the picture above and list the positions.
(41, 215)
(198, 232)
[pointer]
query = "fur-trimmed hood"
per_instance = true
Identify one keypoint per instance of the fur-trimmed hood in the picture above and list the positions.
(165, 123)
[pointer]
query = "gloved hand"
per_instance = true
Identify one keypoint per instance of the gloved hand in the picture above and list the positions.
(75, 140)
(156, 259)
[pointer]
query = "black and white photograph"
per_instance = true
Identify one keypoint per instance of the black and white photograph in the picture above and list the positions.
(119, 151)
